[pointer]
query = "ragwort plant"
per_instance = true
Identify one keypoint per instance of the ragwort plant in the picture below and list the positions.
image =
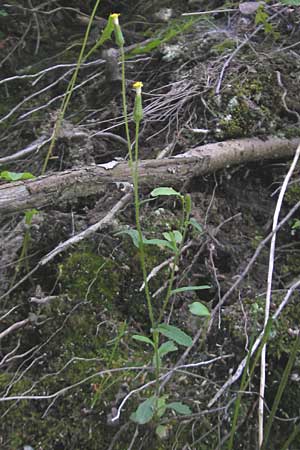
(156, 405)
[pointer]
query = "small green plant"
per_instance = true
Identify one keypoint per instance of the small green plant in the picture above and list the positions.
(172, 241)
(28, 220)
(16, 176)
(296, 224)
(262, 18)
(19, 176)
(105, 35)
(291, 2)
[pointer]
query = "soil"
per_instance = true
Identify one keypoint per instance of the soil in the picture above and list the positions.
(207, 78)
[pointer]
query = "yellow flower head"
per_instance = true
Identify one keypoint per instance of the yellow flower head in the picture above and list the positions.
(138, 87)
(115, 18)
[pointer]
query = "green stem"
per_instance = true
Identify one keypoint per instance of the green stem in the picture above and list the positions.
(69, 91)
(184, 226)
(125, 108)
(133, 164)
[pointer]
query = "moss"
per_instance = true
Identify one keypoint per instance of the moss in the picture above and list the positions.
(293, 194)
(92, 277)
(227, 44)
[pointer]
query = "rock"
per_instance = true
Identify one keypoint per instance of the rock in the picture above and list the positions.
(249, 8)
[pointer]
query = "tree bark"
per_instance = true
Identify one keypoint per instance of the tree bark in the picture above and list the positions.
(52, 189)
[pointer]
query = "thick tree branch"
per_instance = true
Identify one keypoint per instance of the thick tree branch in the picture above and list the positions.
(64, 186)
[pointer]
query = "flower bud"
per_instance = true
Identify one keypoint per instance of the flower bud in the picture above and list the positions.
(138, 107)
(120, 41)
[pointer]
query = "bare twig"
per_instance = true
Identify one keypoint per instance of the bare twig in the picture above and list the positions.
(237, 374)
(15, 326)
(269, 293)
(250, 264)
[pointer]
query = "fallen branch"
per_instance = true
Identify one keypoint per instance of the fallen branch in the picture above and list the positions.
(60, 187)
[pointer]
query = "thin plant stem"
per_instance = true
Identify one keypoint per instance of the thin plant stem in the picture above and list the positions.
(133, 164)
(126, 121)
(69, 90)
(239, 398)
(134, 171)
(184, 225)
(291, 438)
(155, 334)
(280, 390)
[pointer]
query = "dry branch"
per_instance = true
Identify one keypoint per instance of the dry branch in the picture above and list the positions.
(56, 188)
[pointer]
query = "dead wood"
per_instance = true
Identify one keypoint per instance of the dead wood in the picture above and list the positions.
(56, 188)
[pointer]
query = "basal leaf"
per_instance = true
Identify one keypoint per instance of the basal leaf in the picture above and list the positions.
(291, 2)
(173, 236)
(161, 405)
(133, 234)
(180, 408)
(198, 309)
(174, 333)
(196, 225)
(159, 243)
(160, 191)
(166, 348)
(145, 339)
(144, 412)
(162, 431)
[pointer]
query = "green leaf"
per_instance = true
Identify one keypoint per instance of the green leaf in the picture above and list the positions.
(190, 288)
(188, 204)
(107, 32)
(161, 405)
(291, 2)
(159, 243)
(173, 236)
(180, 408)
(133, 234)
(175, 334)
(144, 339)
(198, 309)
(29, 215)
(296, 223)
(175, 28)
(196, 225)
(164, 191)
(16, 176)
(3, 13)
(146, 48)
(162, 431)
(166, 348)
(145, 411)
